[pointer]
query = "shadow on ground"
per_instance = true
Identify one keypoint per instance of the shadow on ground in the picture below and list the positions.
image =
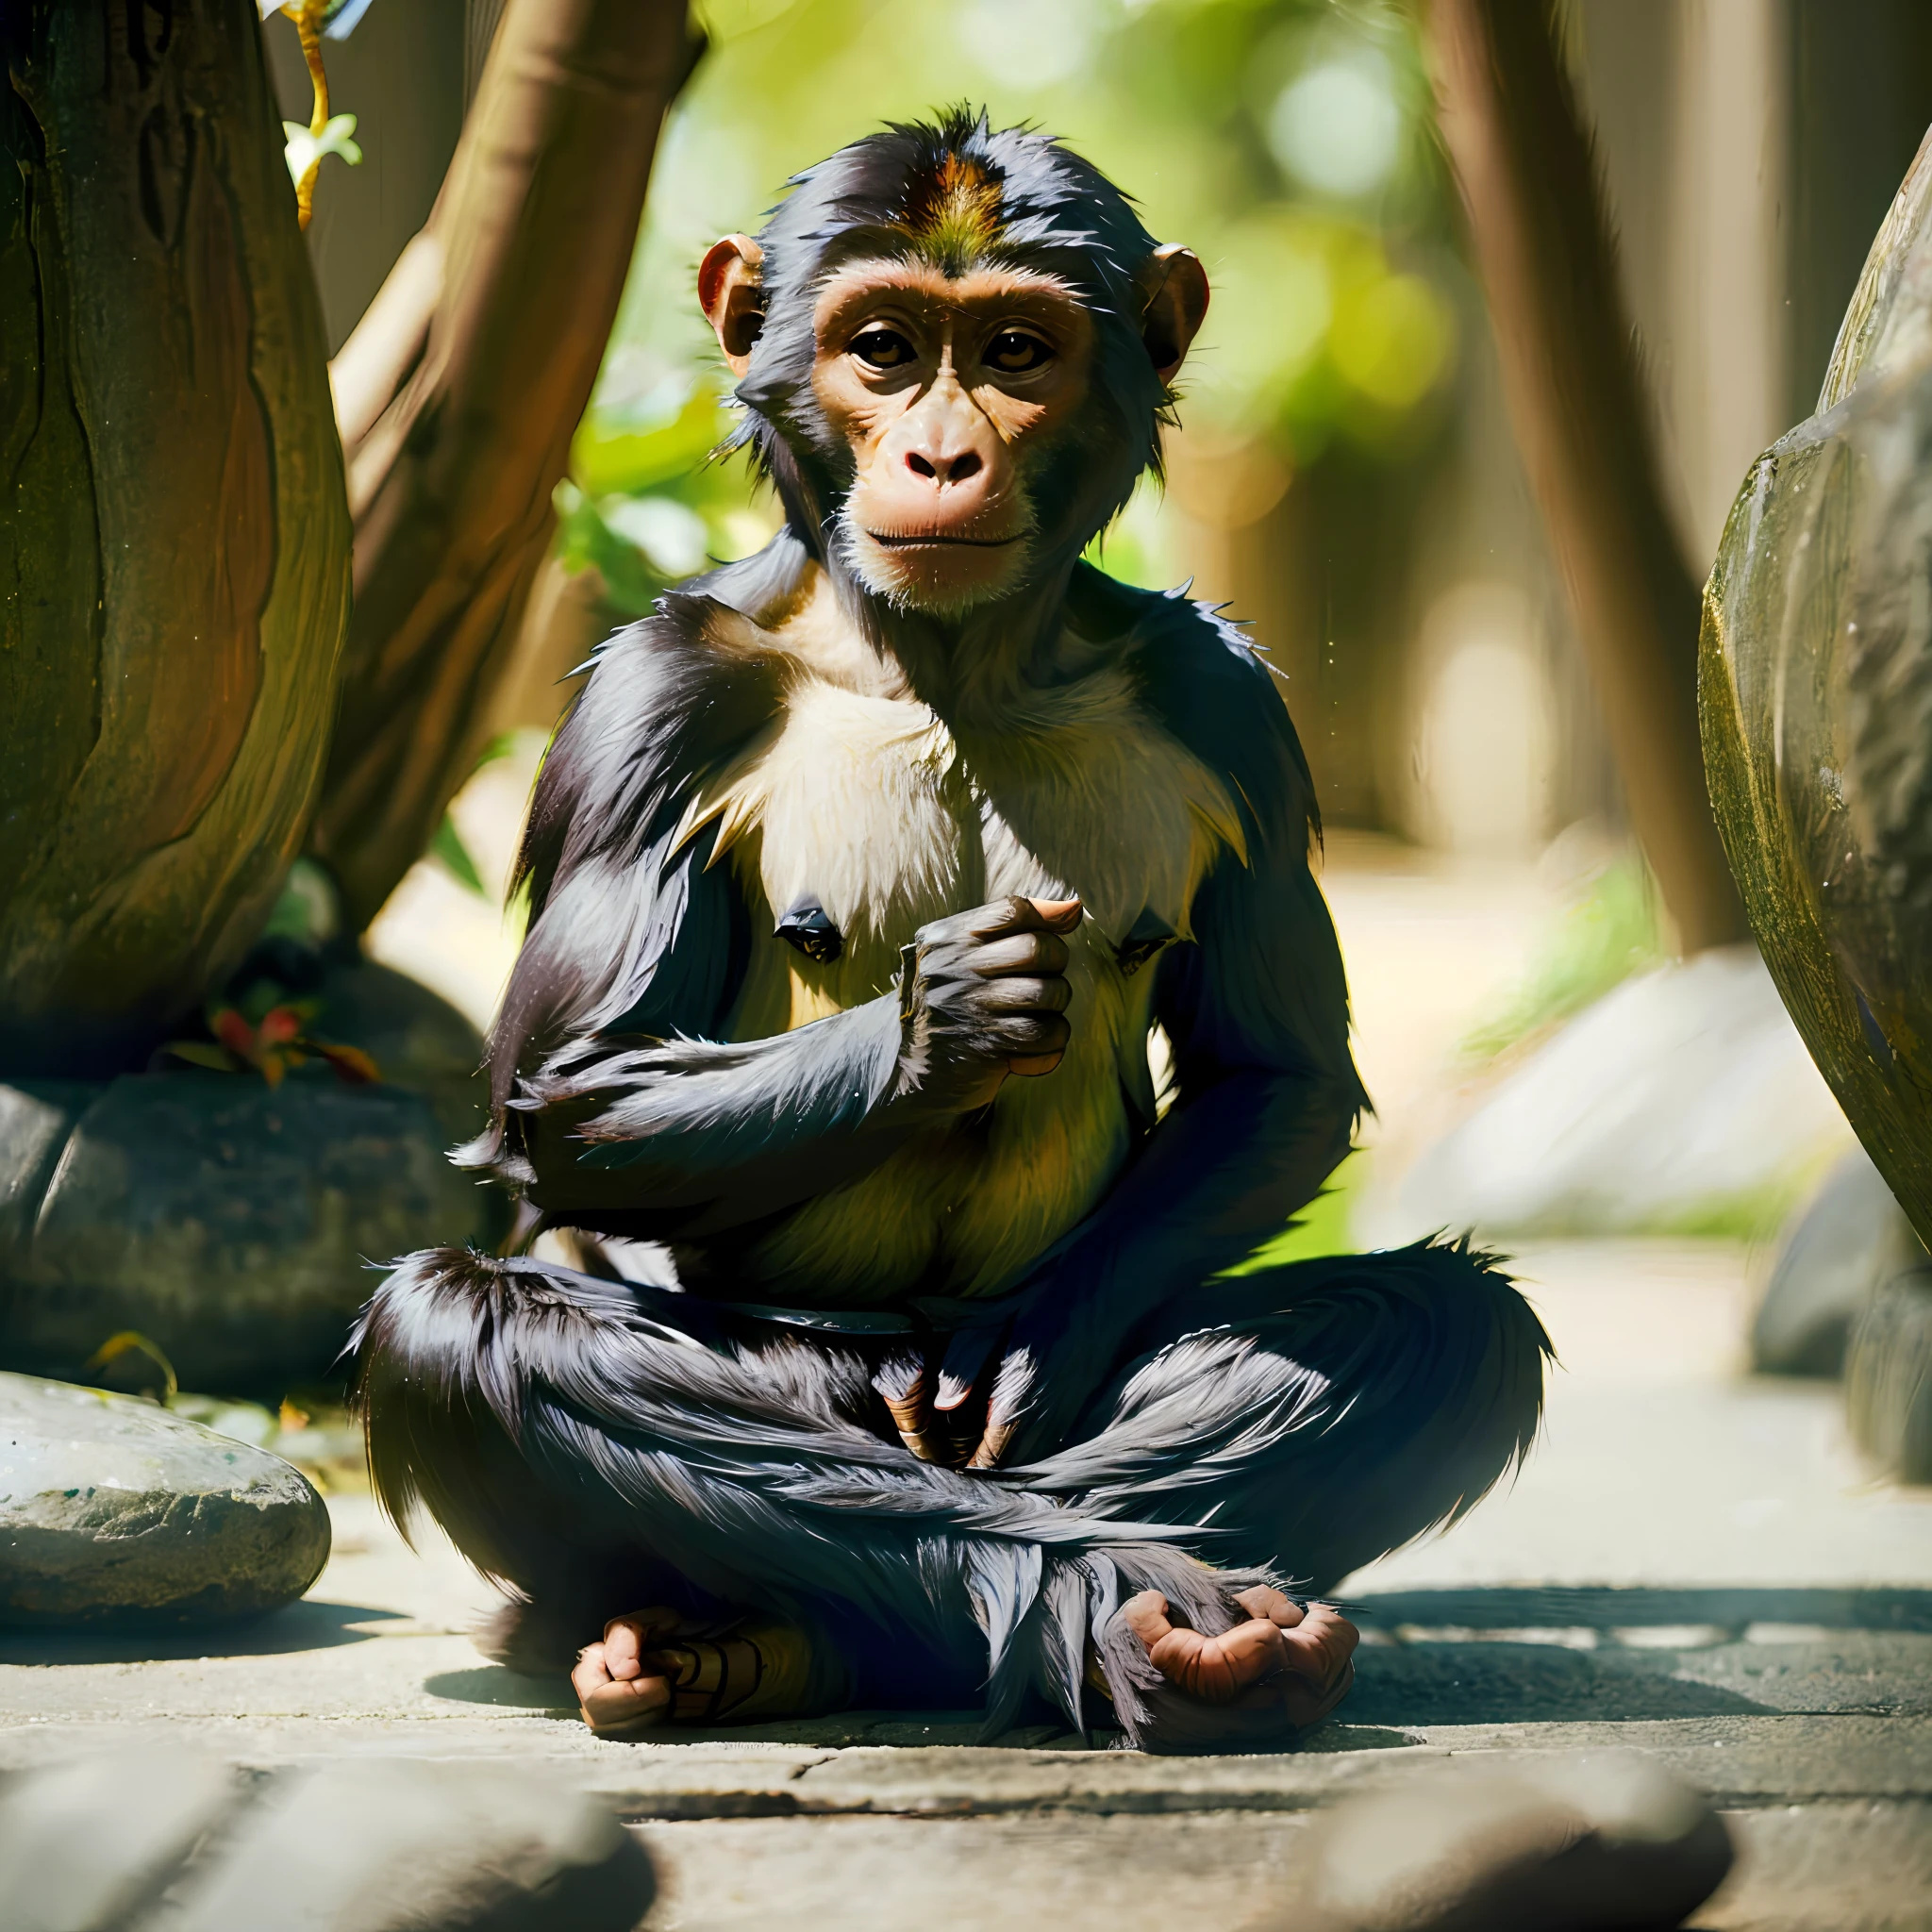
(504, 1689)
(1604, 1608)
(1531, 1655)
(305, 1626)
(1505, 1655)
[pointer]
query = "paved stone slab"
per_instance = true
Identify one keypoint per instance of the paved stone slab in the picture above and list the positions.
(1692, 1566)
(1836, 1868)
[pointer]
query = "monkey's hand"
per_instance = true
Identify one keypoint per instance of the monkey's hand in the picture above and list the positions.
(983, 994)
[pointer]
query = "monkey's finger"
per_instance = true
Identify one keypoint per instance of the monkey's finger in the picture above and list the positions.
(967, 1350)
(1304, 1704)
(1320, 1647)
(1219, 1669)
(1019, 914)
(1276, 1604)
(1146, 1617)
(1051, 994)
(1020, 952)
(904, 1386)
(1059, 915)
(1027, 1035)
(626, 1637)
(626, 1706)
(590, 1672)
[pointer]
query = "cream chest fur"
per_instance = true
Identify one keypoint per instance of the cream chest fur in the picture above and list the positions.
(869, 804)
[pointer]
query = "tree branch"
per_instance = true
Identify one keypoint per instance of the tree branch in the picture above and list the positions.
(458, 396)
(1576, 402)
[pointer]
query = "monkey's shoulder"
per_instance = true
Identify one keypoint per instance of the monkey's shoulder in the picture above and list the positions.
(1197, 675)
(669, 698)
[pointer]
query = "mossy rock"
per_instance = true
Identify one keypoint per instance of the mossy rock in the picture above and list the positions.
(115, 1514)
(1815, 689)
(232, 1225)
(415, 1037)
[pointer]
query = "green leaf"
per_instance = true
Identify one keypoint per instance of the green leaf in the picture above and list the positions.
(201, 1053)
(448, 846)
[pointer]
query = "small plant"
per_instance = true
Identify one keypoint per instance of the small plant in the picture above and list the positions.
(267, 1034)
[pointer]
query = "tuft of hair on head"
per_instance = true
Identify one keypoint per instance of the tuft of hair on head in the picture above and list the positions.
(954, 212)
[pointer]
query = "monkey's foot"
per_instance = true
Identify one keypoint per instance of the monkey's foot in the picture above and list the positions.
(654, 1668)
(1282, 1671)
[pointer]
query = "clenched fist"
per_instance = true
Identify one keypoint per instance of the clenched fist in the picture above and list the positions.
(983, 994)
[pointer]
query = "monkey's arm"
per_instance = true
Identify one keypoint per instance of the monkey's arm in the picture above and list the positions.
(682, 1137)
(1256, 1012)
(1268, 1099)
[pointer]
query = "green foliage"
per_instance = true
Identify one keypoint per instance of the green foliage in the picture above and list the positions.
(448, 847)
(1288, 141)
(1322, 1227)
(646, 502)
(1609, 933)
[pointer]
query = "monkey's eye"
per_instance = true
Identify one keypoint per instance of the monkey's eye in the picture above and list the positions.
(1014, 351)
(883, 348)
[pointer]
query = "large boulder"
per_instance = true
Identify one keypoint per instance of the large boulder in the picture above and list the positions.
(1815, 689)
(415, 1037)
(1683, 1101)
(1848, 1242)
(116, 1514)
(231, 1224)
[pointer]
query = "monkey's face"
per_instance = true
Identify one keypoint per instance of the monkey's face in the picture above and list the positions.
(959, 437)
(951, 396)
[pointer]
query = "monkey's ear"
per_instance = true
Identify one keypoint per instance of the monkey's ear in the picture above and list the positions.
(729, 294)
(1176, 301)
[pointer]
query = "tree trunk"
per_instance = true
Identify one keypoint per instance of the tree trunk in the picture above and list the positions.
(174, 554)
(1576, 398)
(458, 397)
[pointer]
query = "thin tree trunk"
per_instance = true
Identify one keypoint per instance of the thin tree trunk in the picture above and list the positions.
(458, 396)
(174, 546)
(1576, 401)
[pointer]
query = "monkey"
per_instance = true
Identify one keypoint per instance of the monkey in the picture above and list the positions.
(869, 878)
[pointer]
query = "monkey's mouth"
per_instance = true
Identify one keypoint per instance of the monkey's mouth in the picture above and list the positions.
(936, 543)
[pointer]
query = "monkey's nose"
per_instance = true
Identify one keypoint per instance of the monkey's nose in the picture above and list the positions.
(944, 469)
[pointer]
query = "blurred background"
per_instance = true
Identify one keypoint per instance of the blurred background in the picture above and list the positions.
(1345, 480)
(1716, 1526)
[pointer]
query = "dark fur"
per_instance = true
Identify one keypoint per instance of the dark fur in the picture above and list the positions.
(600, 1444)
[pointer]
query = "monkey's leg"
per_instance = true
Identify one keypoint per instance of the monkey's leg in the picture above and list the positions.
(554, 1424)
(1314, 1416)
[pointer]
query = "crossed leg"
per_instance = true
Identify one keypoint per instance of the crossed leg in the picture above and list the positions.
(1325, 1413)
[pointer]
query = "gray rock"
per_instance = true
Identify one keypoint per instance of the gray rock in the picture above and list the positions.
(1836, 1251)
(61, 1871)
(180, 1844)
(421, 1847)
(1680, 1100)
(115, 1514)
(415, 1037)
(1888, 1378)
(230, 1222)
(1606, 1839)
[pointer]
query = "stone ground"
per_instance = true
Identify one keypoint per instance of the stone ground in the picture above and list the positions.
(1693, 1565)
